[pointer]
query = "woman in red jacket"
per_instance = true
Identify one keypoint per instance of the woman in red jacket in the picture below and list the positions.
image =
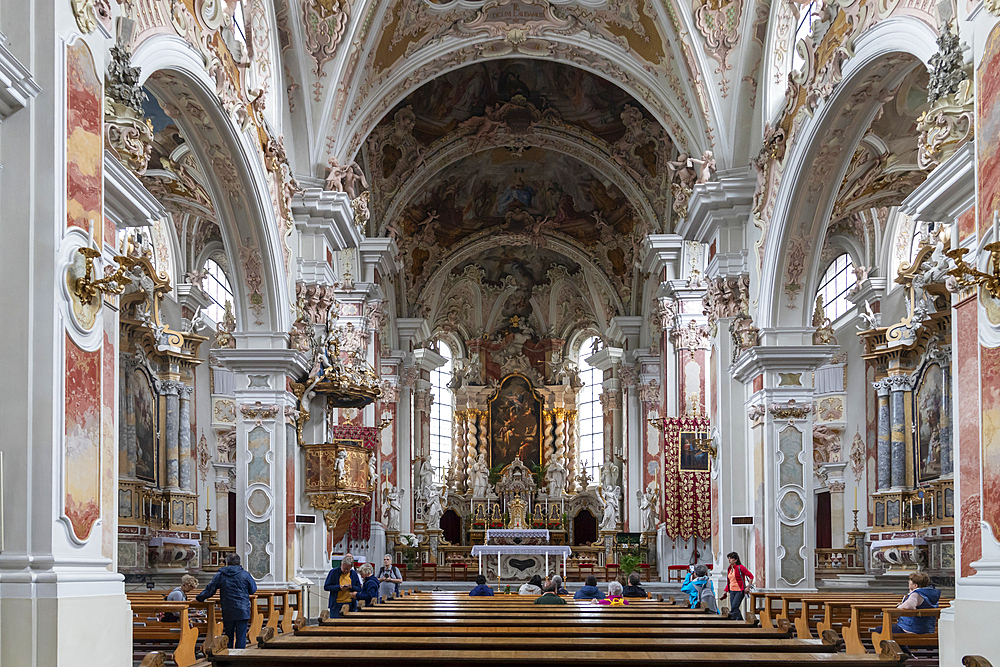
(738, 579)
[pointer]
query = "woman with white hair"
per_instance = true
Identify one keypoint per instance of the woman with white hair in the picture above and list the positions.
(344, 584)
(369, 585)
(614, 594)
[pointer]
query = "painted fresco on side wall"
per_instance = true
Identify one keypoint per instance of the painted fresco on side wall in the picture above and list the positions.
(82, 464)
(84, 143)
(142, 402)
(988, 129)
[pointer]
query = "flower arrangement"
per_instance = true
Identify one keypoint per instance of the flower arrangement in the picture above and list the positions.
(409, 542)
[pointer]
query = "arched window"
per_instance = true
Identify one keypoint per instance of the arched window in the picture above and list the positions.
(591, 414)
(441, 419)
(807, 15)
(216, 285)
(239, 23)
(836, 283)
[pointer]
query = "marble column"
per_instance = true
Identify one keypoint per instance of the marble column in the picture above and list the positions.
(184, 436)
(884, 434)
(899, 385)
(171, 392)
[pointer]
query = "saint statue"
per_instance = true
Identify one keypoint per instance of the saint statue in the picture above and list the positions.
(609, 473)
(556, 477)
(479, 477)
(391, 507)
(648, 506)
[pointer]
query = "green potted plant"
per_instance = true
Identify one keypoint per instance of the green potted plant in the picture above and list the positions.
(629, 559)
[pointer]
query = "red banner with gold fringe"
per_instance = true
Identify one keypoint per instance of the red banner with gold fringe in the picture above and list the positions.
(687, 493)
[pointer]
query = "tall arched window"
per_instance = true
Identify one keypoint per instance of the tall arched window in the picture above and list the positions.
(836, 283)
(441, 418)
(591, 414)
(216, 285)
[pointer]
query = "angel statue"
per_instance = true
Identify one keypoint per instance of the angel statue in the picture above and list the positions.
(391, 509)
(435, 507)
(340, 466)
(610, 499)
(648, 506)
(609, 473)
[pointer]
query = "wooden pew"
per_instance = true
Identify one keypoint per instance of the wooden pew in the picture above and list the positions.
(147, 628)
(865, 617)
(889, 615)
(812, 608)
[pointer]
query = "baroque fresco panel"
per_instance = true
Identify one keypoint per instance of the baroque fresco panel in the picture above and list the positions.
(82, 462)
(84, 143)
(142, 403)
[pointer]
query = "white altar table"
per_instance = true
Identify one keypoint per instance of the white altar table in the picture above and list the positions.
(512, 533)
(481, 550)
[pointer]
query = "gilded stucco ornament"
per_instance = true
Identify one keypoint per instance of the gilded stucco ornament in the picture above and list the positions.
(949, 122)
(88, 13)
(127, 133)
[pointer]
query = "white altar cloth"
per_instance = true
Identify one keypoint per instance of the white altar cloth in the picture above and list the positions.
(516, 532)
(499, 550)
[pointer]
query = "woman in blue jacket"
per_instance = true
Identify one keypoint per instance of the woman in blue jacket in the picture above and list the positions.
(344, 585)
(369, 587)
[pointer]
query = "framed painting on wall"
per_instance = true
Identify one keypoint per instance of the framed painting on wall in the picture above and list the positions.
(691, 459)
(142, 404)
(515, 423)
(927, 412)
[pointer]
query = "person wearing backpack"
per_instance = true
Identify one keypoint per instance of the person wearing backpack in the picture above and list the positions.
(704, 590)
(738, 579)
(389, 579)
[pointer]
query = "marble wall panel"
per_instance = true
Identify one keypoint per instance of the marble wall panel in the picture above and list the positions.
(988, 130)
(82, 457)
(990, 360)
(793, 568)
(967, 383)
(258, 560)
(84, 143)
(258, 468)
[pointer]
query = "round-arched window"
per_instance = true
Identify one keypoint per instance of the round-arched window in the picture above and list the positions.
(834, 286)
(216, 286)
(590, 413)
(441, 414)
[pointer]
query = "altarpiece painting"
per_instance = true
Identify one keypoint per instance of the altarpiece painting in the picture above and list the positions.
(515, 423)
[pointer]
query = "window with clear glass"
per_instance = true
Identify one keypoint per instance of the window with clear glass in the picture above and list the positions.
(239, 22)
(807, 15)
(441, 415)
(590, 414)
(216, 286)
(836, 283)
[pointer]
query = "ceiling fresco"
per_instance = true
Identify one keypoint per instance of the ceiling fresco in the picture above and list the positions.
(524, 193)
(575, 96)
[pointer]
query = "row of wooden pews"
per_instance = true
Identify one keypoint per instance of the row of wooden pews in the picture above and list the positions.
(177, 641)
(455, 629)
(854, 616)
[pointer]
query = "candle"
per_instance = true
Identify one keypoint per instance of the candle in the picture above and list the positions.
(996, 225)
(855, 496)
(90, 232)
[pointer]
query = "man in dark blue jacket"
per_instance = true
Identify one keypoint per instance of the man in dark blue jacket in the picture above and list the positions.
(344, 584)
(589, 590)
(235, 586)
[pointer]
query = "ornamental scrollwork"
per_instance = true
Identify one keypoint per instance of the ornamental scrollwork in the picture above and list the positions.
(258, 412)
(790, 410)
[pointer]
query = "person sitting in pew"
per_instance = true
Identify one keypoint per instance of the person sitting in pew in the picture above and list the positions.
(344, 585)
(921, 596)
(614, 595)
(705, 590)
(235, 586)
(481, 587)
(558, 581)
(589, 590)
(549, 594)
(634, 590)
(688, 588)
(389, 579)
(532, 587)
(369, 585)
(179, 594)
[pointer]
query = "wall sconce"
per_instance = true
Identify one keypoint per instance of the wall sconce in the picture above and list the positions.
(86, 288)
(656, 421)
(969, 276)
(706, 445)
